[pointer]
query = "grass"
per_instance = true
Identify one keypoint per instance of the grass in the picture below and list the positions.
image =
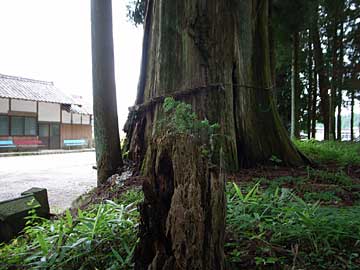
(309, 220)
(341, 153)
(275, 229)
(103, 237)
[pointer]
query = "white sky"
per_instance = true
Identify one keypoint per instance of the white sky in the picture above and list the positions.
(51, 40)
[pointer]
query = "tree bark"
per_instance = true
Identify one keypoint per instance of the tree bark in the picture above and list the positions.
(183, 214)
(310, 87)
(334, 79)
(323, 81)
(340, 80)
(221, 45)
(352, 118)
(295, 91)
(107, 141)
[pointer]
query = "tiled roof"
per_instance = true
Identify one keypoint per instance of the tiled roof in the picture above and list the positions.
(80, 105)
(81, 109)
(29, 89)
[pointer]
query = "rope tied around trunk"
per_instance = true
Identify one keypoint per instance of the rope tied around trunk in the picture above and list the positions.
(192, 91)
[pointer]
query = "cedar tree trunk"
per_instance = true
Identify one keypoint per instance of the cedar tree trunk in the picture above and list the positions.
(314, 105)
(352, 118)
(183, 214)
(107, 141)
(340, 79)
(219, 52)
(310, 87)
(295, 91)
(334, 79)
(323, 82)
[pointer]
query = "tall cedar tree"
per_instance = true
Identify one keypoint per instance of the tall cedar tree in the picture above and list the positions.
(107, 140)
(215, 55)
(223, 48)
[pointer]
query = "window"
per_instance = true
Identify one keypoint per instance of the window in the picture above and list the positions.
(43, 130)
(23, 126)
(4, 125)
(17, 126)
(30, 126)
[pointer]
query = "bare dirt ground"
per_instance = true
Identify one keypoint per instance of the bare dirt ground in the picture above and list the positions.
(65, 176)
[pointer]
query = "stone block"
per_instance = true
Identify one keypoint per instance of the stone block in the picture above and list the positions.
(14, 211)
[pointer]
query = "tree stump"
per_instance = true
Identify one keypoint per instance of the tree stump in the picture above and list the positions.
(183, 213)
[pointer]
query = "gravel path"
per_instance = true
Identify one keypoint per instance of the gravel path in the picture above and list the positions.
(65, 176)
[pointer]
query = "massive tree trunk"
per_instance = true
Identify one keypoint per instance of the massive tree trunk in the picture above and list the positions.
(107, 141)
(323, 81)
(295, 91)
(219, 52)
(183, 214)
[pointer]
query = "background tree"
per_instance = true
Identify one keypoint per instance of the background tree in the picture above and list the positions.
(322, 63)
(289, 20)
(107, 141)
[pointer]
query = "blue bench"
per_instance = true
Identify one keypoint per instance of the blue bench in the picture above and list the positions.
(80, 142)
(7, 144)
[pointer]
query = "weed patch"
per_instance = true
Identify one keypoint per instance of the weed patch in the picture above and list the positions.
(103, 237)
(340, 153)
(276, 229)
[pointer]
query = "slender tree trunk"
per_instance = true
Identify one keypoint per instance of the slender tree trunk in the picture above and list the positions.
(221, 48)
(108, 153)
(310, 87)
(334, 80)
(352, 118)
(340, 80)
(338, 117)
(295, 91)
(323, 82)
(314, 105)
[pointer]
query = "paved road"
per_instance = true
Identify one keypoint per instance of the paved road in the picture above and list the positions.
(66, 176)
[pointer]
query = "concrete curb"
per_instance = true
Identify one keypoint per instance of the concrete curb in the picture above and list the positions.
(45, 152)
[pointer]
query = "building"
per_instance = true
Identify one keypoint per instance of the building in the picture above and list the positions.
(35, 114)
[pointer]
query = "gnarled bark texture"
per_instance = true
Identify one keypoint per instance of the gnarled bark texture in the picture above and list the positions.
(213, 44)
(107, 141)
(183, 214)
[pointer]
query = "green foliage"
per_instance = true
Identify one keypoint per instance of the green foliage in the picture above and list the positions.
(136, 11)
(276, 227)
(341, 153)
(325, 196)
(103, 237)
(326, 177)
(180, 119)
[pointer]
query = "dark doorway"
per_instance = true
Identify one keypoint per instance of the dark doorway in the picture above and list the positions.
(44, 134)
(54, 136)
(49, 134)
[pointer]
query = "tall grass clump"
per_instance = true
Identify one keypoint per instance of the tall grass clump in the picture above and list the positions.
(277, 229)
(341, 153)
(103, 237)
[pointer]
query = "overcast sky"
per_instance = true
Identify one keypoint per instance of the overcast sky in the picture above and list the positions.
(51, 40)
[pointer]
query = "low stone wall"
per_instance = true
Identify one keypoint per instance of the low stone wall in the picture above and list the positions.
(14, 211)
